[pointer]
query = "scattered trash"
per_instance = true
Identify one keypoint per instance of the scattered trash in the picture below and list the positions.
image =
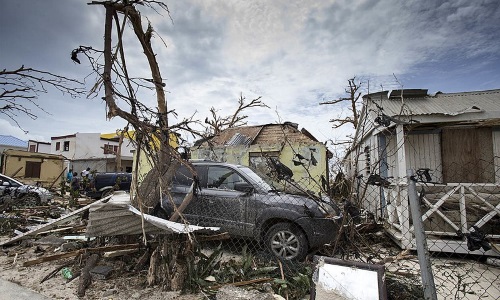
(66, 273)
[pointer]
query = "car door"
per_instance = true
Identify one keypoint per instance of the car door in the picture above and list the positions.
(223, 206)
(181, 186)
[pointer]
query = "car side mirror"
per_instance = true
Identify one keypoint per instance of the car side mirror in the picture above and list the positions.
(244, 187)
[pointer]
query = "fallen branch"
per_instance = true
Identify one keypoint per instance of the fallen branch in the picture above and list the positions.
(78, 252)
(54, 272)
(86, 278)
(143, 260)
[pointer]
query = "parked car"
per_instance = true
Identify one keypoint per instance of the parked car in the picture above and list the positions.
(28, 195)
(239, 201)
(104, 184)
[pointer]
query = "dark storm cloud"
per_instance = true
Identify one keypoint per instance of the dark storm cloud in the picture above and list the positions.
(293, 53)
(197, 38)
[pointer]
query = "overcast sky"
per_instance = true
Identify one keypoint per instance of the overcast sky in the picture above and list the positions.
(294, 54)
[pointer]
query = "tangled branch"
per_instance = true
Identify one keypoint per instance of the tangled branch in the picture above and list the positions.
(19, 89)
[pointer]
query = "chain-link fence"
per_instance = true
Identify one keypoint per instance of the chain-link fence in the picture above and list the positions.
(461, 224)
(273, 228)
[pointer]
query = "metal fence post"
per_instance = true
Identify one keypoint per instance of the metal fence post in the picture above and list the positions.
(420, 240)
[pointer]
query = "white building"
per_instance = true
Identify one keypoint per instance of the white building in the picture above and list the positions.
(93, 150)
(38, 147)
(454, 140)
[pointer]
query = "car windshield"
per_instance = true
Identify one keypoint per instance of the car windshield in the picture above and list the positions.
(256, 178)
(13, 182)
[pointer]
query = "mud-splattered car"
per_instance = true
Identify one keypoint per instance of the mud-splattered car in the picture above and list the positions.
(239, 201)
(26, 195)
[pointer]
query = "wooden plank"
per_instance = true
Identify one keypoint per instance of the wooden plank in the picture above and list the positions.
(439, 203)
(487, 217)
(463, 211)
(445, 218)
(78, 252)
(51, 258)
(473, 192)
(117, 253)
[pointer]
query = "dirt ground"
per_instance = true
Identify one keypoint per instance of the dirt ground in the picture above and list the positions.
(465, 279)
(118, 286)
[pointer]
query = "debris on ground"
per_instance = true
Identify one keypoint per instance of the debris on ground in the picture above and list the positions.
(66, 252)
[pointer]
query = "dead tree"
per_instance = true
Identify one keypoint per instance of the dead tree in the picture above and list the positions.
(217, 123)
(151, 124)
(352, 103)
(20, 88)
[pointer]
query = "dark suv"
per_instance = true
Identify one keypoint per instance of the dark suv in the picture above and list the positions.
(239, 201)
(104, 184)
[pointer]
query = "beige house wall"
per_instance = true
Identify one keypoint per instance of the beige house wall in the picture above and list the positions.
(14, 165)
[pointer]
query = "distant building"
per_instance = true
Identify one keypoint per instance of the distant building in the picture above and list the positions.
(94, 151)
(42, 168)
(38, 147)
(10, 142)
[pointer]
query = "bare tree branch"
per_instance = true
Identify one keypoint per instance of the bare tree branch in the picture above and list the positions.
(352, 103)
(19, 89)
(217, 123)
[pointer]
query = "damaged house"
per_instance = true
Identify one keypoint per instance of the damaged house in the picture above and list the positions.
(256, 146)
(452, 142)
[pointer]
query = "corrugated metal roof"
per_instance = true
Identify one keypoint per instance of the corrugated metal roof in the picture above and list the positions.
(451, 104)
(225, 136)
(9, 140)
(239, 139)
(118, 217)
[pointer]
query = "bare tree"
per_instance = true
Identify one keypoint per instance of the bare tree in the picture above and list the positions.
(218, 123)
(19, 89)
(153, 131)
(351, 101)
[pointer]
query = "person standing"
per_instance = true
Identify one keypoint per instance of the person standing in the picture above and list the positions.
(69, 176)
(85, 173)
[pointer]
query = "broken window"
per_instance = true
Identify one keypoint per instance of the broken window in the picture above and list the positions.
(108, 149)
(32, 148)
(58, 146)
(258, 160)
(66, 146)
(223, 178)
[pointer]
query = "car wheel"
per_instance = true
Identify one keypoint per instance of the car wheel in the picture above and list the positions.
(286, 241)
(30, 200)
(107, 193)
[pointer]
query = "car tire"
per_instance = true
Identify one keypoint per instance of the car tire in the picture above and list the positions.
(29, 200)
(107, 193)
(286, 241)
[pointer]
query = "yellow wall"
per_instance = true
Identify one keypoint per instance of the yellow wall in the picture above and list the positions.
(144, 165)
(307, 175)
(51, 165)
